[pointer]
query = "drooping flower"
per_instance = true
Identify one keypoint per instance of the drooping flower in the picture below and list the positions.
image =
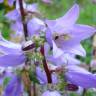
(12, 53)
(80, 77)
(72, 73)
(34, 24)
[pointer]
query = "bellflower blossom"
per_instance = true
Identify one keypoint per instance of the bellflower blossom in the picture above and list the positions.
(65, 33)
(12, 53)
(80, 77)
(34, 24)
(73, 74)
(55, 47)
(15, 14)
(77, 76)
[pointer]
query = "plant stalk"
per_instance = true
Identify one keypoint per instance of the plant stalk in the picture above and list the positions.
(26, 36)
(48, 73)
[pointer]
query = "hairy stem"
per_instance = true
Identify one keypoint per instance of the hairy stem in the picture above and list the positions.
(25, 80)
(48, 73)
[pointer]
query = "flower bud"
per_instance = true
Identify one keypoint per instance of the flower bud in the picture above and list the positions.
(28, 45)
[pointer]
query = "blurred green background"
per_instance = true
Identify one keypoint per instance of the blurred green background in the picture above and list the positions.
(56, 9)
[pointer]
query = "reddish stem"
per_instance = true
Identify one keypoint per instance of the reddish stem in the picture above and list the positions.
(23, 18)
(26, 35)
(48, 73)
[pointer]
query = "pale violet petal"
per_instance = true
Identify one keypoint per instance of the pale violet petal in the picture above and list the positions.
(35, 25)
(51, 24)
(12, 60)
(70, 17)
(9, 44)
(51, 93)
(41, 76)
(13, 15)
(81, 79)
(56, 51)
(14, 87)
(74, 68)
(32, 7)
(49, 37)
(1, 1)
(80, 32)
(70, 60)
(10, 2)
(79, 50)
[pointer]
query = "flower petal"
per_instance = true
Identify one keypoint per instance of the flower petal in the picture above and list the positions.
(78, 50)
(4, 75)
(56, 51)
(17, 26)
(41, 75)
(81, 77)
(70, 60)
(12, 60)
(49, 37)
(65, 21)
(14, 87)
(1, 1)
(10, 2)
(35, 25)
(80, 32)
(70, 17)
(83, 80)
(13, 15)
(51, 24)
(9, 47)
(32, 7)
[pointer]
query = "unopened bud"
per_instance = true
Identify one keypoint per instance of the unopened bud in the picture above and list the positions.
(28, 45)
